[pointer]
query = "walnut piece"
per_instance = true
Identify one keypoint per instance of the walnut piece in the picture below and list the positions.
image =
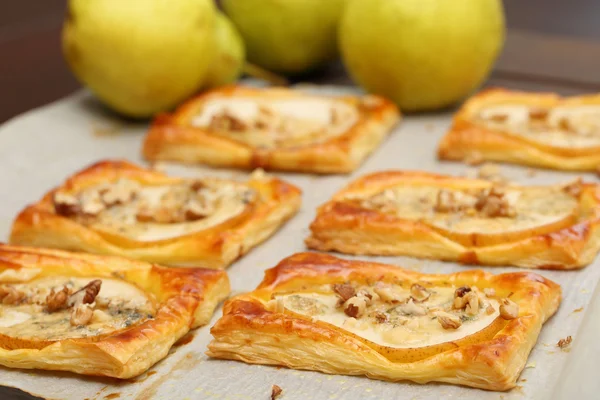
(66, 204)
(489, 310)
(380, 317)
(493, 203)
(489, 292)
(472, 306)
(355, 307)
(87, 294)
(57, 300)
(119, 192)
(445, 202)
(419, 293)
(509, 309)
(574, 188)
(275, 392)
(81, 315)
(564, 343)
(11, 295)
(226, 121)
(345, 291)
(448, 321)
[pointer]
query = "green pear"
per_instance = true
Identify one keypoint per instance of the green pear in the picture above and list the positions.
(423, 55)
(230, 54)
(140, 57)
(288, 37)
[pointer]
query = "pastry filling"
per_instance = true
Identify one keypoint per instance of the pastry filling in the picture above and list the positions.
(147, 213)
(402, 317)
(56, 308)
(565, 126)
(280, 123)
(489, 210)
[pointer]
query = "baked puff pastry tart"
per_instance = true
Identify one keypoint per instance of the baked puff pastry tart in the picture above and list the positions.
(117, 208)
(322, 313)
(536, 129)
(276, 129)
(97, 315)
(472, 221)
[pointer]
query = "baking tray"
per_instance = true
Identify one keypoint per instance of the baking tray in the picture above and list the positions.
(39, 149)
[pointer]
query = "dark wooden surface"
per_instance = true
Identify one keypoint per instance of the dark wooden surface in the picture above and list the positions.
(553, 41)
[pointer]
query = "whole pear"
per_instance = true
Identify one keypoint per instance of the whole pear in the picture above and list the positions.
(229, 57)
(288, 37)
(139, 57)
(422, 54)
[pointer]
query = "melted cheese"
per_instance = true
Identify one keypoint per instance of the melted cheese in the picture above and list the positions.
(309, 119)
(125, 305)
(121, 219)
(534, 206)
(401, 332)
(585, 119)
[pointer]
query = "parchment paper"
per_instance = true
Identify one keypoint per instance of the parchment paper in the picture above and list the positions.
(39, 149)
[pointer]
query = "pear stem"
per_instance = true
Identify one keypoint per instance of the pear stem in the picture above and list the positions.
(257, 72)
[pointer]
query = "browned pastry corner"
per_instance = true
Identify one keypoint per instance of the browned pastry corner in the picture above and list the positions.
(272, 128)
(117, 208)
(318, 312)
(536, 129)
(97, 315)
(472, 221)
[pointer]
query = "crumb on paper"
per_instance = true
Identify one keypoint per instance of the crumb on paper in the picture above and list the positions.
(275, 392)
(530, 365)
(577, 310)
(564, 343)
(523, 380)
(491, 172)
(531, 172)
(429, 127)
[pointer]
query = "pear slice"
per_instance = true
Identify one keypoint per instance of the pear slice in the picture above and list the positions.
(412, 354)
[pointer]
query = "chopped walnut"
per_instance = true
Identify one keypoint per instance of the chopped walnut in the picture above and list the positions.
(489, 292)
(448, 321)
(538, 113)
(196, 209)
(509, 309)
(419, 293)
(87, 294)
(119, 192)
(355, 307)
(445, 202)
(498, 117)
(564, 343)
(66, 204)
(461, 291)
(57, 300)
(81, 315)
(275, 392)
(565, 125)
(380, 317)
(574, 188)
(472, 307)
(493, 203)
(489, 310)
(344, 291)
(225, 121)
(11, 295)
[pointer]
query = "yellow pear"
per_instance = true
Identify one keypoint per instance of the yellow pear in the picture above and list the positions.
(422, 54)
(140, 57)
(230, 55)
(288, 37)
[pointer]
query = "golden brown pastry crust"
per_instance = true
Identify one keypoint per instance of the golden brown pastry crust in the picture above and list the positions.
(186, 299)
(214, 247)
(171, 137)
(349, 228)
(469, 140)
(249, 332)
